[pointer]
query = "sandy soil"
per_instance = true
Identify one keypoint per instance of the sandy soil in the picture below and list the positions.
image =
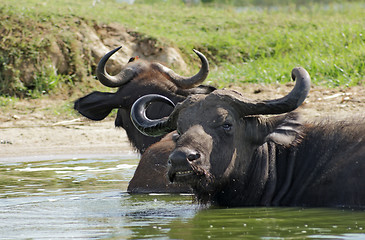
(29, 130)
(75, 137)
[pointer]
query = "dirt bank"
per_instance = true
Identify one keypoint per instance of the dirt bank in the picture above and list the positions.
(28, 128)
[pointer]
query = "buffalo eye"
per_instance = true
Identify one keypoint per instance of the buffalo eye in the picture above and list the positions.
(227, 127)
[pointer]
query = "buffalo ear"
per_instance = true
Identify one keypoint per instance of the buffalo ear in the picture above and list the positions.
(96, 105)
(288, 130)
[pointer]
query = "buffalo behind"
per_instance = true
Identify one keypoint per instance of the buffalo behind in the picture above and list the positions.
(137, 78)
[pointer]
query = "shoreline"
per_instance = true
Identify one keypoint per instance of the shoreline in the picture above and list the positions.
(30, 130)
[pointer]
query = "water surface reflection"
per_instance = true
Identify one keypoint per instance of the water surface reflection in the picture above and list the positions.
(86, 198)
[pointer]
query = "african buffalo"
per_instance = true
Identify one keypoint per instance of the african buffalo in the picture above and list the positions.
(232, 155)
(136, 79)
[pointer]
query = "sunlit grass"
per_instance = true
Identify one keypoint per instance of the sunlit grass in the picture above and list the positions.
(242, 44)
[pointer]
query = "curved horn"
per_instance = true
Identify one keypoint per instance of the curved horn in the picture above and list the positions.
(187, 82)
(113, 81)
(289, 102)
(149, 127)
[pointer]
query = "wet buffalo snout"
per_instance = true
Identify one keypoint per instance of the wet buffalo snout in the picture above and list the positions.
(183, 157)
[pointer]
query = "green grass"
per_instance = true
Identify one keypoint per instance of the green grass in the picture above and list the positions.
(259, 45)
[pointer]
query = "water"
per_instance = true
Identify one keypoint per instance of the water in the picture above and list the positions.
(86, 198)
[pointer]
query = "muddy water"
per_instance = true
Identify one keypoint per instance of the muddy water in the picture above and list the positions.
(86, 198)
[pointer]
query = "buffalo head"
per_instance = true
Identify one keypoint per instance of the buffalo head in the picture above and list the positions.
(218, 133)
(138, 78)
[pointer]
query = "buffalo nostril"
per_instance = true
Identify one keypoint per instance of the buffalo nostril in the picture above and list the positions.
(192, 157)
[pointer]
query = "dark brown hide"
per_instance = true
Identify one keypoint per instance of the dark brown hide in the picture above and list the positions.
(272, 161)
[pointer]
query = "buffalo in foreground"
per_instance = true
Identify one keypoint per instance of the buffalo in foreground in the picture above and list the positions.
(138, 78)
(232, 155)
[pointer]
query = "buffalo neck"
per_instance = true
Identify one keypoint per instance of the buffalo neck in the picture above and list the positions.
(263, 184)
